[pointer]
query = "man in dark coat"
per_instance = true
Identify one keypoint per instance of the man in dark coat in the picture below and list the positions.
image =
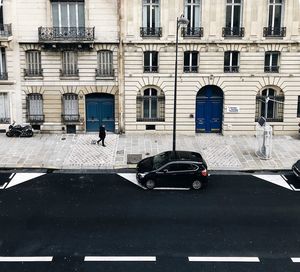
(102, 135)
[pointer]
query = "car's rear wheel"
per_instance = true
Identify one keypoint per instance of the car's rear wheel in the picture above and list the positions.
(150, 184)
(197, 184)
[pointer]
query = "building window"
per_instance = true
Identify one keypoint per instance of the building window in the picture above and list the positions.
(151, 18)
(150, 62)
(151, 105)
(274, 19)
(233, 19)
(192, 10)
(70, 107)
(190, 62)
(231, 62)
(4, 109)
(272, 62)
(298, 109)
(3, 71)
(69, 64)
(68, 14)
(274, 108)
(105, 64)
(35, 108)
(33, 63)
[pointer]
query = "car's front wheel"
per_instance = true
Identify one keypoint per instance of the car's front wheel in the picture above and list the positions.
(197, 184)
(150, 184)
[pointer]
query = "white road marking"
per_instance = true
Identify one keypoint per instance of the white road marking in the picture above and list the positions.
(120, 259)
(295, 189)
(295, 260)
(224, 259)
(12, 174)
(132, 178)
(3, 186)
(23, 177)
(27, 259)
(275, 179)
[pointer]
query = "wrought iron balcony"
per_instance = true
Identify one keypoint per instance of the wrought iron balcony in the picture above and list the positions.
(274, 31)
(5, 30)
(150, 69)
(3, 76)
(100, 72)
(62, 34)
(190, 69)
(151, 31)
(192, 32)
(33, 72)
(70, 118)
(35, 118)
(233, 32)
(69, 73)
(231, 69)
(272, 69)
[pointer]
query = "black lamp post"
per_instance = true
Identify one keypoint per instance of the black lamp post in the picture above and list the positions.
(182, 21)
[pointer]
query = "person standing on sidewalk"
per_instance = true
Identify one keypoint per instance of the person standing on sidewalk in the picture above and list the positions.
(102, 134)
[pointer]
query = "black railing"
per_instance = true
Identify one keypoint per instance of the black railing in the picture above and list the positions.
(190, 69)
(231, 69)
(53, 34)
(35, 118)
(233, 31)
(5, 30)
(151, 31)
(3, 76)
(146, 119)
(277, 113)
(100, 72)
(195, 32)
(69, 73)
(158, 100)
(150, 69)
(274, 31)
(4, 120)
(33, 72)
(272, 69)
(69, 118)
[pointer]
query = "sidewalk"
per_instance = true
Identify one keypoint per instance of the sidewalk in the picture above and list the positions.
(78, 152)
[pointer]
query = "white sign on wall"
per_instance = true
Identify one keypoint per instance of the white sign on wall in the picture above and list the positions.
(233, 109)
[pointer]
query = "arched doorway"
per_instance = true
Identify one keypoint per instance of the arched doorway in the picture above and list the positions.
(209, 109)
(100, 110)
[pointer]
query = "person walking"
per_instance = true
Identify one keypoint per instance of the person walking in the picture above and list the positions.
(102, 134)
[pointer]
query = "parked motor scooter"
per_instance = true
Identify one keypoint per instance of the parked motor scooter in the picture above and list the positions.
(19, 131)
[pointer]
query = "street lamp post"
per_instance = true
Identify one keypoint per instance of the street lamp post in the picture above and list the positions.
(182, 21)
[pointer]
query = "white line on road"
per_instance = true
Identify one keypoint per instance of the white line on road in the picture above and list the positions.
(120, 259)
(296, 260)
(224, 259)
(297, 190)
(27, 259)
(3, 186)
(275, 179)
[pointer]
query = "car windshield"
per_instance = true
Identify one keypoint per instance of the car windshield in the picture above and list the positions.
(160, 160)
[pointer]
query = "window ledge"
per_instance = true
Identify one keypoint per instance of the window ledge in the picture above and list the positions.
(33, 77)
(69, 77)
(105, 78)
(7, 82)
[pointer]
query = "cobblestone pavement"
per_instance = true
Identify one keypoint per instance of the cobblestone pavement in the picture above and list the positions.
(80, 151)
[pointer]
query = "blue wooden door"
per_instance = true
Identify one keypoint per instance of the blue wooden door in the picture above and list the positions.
(209, 105)
(100, 110)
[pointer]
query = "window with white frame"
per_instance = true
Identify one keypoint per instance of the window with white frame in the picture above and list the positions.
(4, 108)
(275, 17)
(190, 62)
(105, 63)
(192, 10)
(151, 105)
(69, 63)
(3, 71)
(233, 18)
(231, 61)
(70, 105)
(35, 107)
(272, 62)
(33, 63)
(150, 62)
(151, 18)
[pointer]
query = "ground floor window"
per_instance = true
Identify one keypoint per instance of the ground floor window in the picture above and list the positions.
(35, 108)
(4, 108)
(70, 107)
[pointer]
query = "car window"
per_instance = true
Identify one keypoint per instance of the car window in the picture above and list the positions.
(172, 167)
(184, 167)
(160, 160)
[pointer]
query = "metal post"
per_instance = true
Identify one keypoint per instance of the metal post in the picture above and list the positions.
(264, 149)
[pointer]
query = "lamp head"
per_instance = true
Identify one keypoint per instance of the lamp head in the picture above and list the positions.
(182, 21)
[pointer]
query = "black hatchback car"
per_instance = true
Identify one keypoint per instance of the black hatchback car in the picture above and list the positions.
(296, 169)
(173, 169)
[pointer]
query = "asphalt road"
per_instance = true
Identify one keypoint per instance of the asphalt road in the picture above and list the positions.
(71, 216)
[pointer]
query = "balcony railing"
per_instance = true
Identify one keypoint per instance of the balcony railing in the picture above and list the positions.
(70, 118)
(33, 72)
(272, 69)
(56, 34)
(192, 32)
(274, 31)
(150, 69)
(231, 69)
(233, 32)
(190, 69)
(110, 72)
(69, 73)
(3, 76)
(35, 118)
(5, 30)
(151, 31)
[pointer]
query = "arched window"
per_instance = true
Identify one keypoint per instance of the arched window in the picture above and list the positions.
(151, 105)
(105, 64)
(273, 109)
(35, 108)
(70, 108)
(33, 63)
